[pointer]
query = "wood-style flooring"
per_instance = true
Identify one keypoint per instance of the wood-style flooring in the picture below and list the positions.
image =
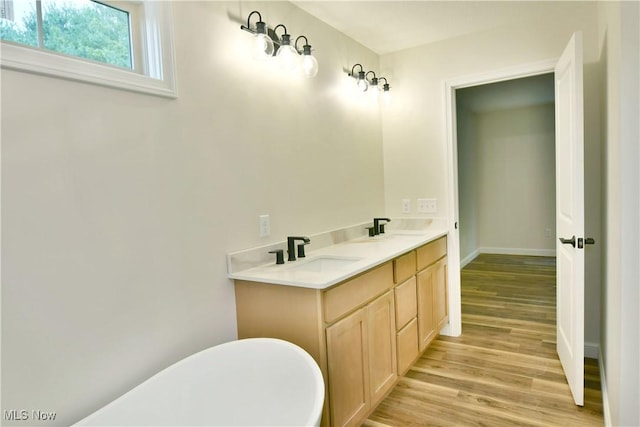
(503, 370)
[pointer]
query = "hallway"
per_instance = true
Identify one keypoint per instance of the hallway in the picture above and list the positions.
(503, 369)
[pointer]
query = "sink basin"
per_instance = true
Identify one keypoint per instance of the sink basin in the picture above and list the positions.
(324, 264)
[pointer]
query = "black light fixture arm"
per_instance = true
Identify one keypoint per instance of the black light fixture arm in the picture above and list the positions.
(386, 86)
(374, 79)
(353, 73)
(306, 48)
(258, 24)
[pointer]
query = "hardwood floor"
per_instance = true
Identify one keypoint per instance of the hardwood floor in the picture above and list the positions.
(503, 370)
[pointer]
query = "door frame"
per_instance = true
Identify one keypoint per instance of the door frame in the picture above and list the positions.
(454, 328)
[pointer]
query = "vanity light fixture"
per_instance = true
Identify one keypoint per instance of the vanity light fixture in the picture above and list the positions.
(373, 83)
(286, 54)
(309, 62)
(268, 44)
(361, 80)
(263, 44)
(385, 89)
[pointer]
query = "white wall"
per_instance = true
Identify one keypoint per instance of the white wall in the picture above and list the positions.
(414, 134)
(118, 208)
(516, 180)
(467, 183)
(620, 60)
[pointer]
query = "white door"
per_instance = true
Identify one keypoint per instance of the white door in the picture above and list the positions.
(570, 215)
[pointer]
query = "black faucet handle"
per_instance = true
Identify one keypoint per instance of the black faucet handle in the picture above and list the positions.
(377, 227)
(291, 246)
(279, 255)
(372, 231)
(301, 246)
(381, 228)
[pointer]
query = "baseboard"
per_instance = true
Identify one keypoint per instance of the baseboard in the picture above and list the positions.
(591, 350)
(517, 251)
(605, 394)
(469, 258)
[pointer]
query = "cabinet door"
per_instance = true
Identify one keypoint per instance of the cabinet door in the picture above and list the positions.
(382, 346)
(347, 348)
(426, 316)
(441, 303)
(407, 342)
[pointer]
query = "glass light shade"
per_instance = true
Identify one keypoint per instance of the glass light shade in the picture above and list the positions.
(264, 46)
(362, 84)
(309, 65)
(287, 57)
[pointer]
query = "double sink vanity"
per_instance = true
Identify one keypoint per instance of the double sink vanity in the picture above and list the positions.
(364, 307)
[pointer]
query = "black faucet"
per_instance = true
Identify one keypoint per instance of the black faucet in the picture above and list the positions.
(377, 227)
(291, 246)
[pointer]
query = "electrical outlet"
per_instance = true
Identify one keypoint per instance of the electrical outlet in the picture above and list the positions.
(406, 206)
(265, 226)
(547, 232)
(427, 206)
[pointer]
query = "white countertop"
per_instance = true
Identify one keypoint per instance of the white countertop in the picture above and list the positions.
(342, 260)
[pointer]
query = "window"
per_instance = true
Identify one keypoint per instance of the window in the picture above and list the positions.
(125, 44)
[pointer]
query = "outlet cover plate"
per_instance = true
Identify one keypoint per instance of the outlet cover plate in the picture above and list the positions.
(265, 226)
(427, 206)
(406, 206)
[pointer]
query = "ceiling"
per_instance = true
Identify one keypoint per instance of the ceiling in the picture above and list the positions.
(390, 26)
(516, 93)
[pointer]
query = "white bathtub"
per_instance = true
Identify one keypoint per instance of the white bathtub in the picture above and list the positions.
(251, 382)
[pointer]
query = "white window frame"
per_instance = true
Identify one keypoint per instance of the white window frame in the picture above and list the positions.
(156, 75)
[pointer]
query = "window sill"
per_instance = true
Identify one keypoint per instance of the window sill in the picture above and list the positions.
(51, 64)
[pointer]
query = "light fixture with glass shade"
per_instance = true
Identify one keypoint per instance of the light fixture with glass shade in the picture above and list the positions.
(263, 44)
(286, 54)
(373, 83)
(361, 80)
(385, 90)
(309, 62)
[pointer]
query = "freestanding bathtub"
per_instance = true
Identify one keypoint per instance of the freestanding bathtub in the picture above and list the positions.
(250, 382)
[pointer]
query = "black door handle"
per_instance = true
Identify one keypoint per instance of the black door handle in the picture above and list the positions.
(571, 241)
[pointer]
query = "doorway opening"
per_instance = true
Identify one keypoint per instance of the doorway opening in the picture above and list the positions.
(506, 167)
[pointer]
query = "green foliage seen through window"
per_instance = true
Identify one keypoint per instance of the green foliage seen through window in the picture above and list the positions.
(88, 30)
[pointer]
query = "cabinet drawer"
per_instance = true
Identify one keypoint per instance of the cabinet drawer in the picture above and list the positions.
(431, 252)
(407, 346)
(345, 297)
(406, 302)
(404, 267)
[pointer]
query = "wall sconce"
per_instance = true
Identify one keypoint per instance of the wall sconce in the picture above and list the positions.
(264, 47)
(286, 54)
(268, 44)
(361, 80)
(309, 62)
(386, 96)
(373, 83)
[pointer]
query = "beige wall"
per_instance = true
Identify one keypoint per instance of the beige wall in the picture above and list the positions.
(414, 134)
(509, 163)
(118, 208)
(620, 58)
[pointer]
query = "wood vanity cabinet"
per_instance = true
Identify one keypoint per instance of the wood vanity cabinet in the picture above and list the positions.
(363, 332)
(349, 329)
(431, 290)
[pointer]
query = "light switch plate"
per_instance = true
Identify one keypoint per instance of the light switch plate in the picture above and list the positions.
(265, 226)
(406, 206)
(427, 206)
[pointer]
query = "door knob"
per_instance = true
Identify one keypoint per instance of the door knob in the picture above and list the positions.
(571, 241)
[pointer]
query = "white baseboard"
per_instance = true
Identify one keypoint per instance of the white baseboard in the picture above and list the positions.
(517, 251)
(605, 394)
(469, 258)
(591, 350)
